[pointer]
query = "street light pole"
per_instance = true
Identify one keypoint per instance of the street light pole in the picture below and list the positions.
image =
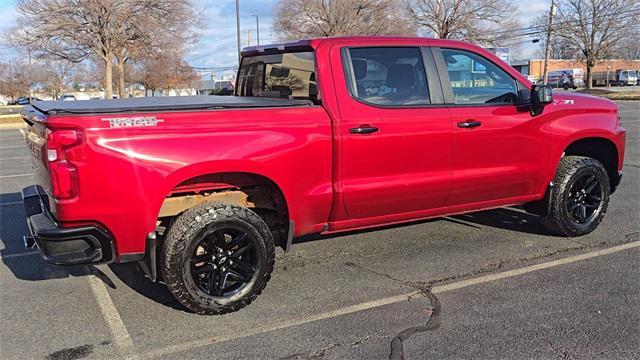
(257, 29)
(238, 30)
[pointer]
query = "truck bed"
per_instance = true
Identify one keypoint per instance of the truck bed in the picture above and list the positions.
(162, 103)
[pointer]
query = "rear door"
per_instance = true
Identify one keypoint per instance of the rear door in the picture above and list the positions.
(500, 149)
(395, 134)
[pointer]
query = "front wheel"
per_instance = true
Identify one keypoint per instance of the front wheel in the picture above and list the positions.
(217, 258)
(579, 198)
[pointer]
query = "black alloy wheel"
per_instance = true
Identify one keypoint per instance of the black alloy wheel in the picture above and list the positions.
(585, 199)
(224, 261)
(217, 258)
(579, 197)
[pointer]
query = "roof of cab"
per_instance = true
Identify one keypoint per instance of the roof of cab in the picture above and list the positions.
(309, 44)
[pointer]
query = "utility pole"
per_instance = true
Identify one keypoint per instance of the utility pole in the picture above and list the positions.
(547, 51)
(257, 29)
(238, 31)
(248, 37)
(30, 67)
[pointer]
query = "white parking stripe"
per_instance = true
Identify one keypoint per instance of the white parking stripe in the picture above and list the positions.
(13, 147)
(14, 176)
(11, 256)
(15, 158)
(218, 338)
(11, 203)
(111, 316)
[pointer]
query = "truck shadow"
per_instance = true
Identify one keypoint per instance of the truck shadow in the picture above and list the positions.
(514, 219)
(132, 276)
(26, 264)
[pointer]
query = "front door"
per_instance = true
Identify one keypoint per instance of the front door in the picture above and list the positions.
(395, 142)
(500, 149)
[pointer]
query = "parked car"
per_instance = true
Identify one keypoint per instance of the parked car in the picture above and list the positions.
(68, 98)
(24, 100)
(322, 136)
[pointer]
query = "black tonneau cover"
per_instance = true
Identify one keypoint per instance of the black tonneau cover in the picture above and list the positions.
(162, 103)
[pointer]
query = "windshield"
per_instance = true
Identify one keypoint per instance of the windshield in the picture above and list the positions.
(286, 76)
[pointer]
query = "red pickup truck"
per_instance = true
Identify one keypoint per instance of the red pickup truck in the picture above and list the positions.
(322, 136)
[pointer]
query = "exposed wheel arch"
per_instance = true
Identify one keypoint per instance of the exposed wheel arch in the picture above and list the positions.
(251, 190)
(601, 149)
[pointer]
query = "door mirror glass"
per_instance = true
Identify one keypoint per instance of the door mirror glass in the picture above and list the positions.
(541, 95)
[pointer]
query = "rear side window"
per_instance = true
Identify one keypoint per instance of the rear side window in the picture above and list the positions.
(388, 76)
(286, 75)
(476, 80)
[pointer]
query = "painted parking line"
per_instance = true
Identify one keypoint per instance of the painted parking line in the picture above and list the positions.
(14, 176)
(11, 203)
(12, 147)
(12, 256)
(217, 338)
(112, 318)
(15, 158)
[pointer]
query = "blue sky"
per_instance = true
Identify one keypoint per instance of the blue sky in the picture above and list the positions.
(217, 47)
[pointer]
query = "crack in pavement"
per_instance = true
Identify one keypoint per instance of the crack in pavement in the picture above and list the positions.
(433, 322)
(433, 313)
(629, 237)
(319, 354)
(435, 307)
(563, 354)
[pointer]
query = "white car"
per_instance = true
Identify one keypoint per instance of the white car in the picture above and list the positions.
(68, 98)
(627, 77)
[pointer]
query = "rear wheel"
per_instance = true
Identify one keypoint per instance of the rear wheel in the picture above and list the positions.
(217, 258)
(579, 198)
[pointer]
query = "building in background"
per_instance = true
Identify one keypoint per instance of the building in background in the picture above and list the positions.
(534, 68)
(503, 54)
(216, 87)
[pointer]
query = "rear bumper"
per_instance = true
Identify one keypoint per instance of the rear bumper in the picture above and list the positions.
(63, 246)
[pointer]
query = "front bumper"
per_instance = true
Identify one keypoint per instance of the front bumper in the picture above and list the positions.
(87, 244)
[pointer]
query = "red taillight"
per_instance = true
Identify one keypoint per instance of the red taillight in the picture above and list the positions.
(64, 179)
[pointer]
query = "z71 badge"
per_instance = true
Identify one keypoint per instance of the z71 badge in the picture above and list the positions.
(133, 121)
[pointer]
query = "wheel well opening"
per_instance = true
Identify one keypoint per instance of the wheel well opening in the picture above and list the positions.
(256, 192)
(600, 149)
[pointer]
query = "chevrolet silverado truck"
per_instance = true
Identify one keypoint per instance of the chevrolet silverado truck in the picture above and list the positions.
(321, 136)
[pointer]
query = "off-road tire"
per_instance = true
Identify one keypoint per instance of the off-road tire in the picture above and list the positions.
(571, 168)
(176, 253)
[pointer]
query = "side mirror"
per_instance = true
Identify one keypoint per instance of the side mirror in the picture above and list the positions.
(541, 95)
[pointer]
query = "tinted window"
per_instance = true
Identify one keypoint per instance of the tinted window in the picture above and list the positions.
(388, 76)
(476, 80)
(288, 75)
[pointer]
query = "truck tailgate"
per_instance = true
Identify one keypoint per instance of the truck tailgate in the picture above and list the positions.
(36, 140)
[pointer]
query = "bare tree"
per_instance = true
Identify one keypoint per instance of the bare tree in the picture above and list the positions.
(629, 47)
(14, 81)
(152, 27)
(297, 19)
(165, 72)
(488, 22)
(106, 29)
(561, 48)
(596, 27)
(55, 75)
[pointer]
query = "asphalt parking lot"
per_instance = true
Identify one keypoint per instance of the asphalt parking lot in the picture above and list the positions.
(492, 284)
